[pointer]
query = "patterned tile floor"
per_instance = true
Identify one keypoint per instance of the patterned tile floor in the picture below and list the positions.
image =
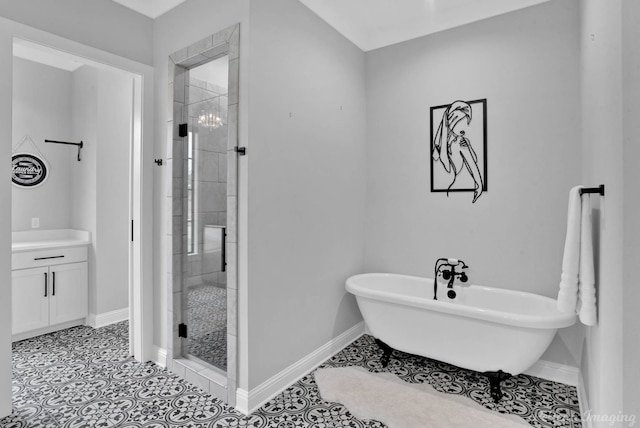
(83, 377)
(207, 321)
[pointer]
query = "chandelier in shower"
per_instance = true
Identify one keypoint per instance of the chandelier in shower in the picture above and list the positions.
(210, 120)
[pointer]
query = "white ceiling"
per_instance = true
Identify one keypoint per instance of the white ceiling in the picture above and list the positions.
(369, 24)
(150, 8)
(372, 24)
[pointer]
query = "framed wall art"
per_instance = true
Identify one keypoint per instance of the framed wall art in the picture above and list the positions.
(458, 141)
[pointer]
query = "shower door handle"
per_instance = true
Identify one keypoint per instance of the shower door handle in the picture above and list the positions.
(223, 230)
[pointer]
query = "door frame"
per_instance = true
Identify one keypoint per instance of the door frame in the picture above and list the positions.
(224, 42)
(141, 179)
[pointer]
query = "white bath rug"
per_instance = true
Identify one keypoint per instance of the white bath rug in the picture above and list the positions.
(388, 399)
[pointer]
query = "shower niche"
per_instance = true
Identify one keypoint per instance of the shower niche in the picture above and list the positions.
(202, 157)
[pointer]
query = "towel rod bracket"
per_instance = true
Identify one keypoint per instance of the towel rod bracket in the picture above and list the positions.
(599, 190)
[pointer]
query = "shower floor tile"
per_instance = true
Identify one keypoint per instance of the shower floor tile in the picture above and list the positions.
(207, 320)
(82, 377)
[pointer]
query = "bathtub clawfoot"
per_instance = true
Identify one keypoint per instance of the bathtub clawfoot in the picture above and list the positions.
(387, 352)
(470, 333)
(494, 383)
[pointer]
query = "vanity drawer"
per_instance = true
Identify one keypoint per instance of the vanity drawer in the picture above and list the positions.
(30, 259)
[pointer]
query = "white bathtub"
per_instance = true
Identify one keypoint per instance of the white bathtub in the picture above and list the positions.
(483, 329)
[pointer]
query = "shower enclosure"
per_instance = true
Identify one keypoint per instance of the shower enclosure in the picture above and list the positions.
(204, 285)
(203, 163)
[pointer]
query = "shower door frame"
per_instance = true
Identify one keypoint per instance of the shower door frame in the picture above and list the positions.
(225, 42)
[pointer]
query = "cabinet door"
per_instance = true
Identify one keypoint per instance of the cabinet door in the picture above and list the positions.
(29, 299)
(68, 297)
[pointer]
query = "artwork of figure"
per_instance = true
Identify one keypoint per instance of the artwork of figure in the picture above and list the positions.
(458, 148)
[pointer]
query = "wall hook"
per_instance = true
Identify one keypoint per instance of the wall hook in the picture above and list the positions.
(158, 162)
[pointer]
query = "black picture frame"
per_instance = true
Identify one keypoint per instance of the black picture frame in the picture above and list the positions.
(464, 132)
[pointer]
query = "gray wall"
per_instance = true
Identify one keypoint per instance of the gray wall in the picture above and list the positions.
(306, 184)
(102, 103)
(42, 110)
(602, 120)
(525, 64)
(115, 103)
(103, 24)
(631, 207)
(84, 183)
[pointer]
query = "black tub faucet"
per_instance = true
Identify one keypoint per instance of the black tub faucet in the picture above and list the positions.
(446, 268)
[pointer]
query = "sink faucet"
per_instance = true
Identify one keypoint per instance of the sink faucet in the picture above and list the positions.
(446, 268)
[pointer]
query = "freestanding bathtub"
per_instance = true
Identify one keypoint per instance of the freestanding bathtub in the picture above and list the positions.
(485, 329)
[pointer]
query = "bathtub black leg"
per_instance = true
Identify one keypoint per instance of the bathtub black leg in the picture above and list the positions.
(494, 383)
(387, 350)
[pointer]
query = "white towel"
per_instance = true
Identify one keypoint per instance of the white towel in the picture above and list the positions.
(587, 291)
(568, 294)
(577, 278)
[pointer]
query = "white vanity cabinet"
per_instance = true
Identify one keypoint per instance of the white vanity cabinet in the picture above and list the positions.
(49, 289)
(68, 300)
(29, 306)
(46, 296)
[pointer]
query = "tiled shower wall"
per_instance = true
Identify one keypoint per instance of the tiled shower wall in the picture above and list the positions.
(204, 266)
(223, 42)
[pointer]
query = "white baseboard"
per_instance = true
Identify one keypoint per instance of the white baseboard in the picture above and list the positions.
(249, 401)
(159, 356)
(242, 401)
(101, 320)
(583, 401)
(554, 371)
(45, 330)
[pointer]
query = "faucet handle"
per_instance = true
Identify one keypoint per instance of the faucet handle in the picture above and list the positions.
(464, 277)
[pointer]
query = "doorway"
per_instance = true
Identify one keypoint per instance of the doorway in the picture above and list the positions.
(64, 99)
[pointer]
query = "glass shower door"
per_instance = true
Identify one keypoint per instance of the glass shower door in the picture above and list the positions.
(206, 205)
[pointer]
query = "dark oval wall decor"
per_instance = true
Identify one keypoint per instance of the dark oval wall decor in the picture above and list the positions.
(28, 170)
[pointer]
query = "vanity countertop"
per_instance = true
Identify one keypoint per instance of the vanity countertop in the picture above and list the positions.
(48, 239)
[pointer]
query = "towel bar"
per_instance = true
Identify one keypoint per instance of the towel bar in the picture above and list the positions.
(80, 145)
